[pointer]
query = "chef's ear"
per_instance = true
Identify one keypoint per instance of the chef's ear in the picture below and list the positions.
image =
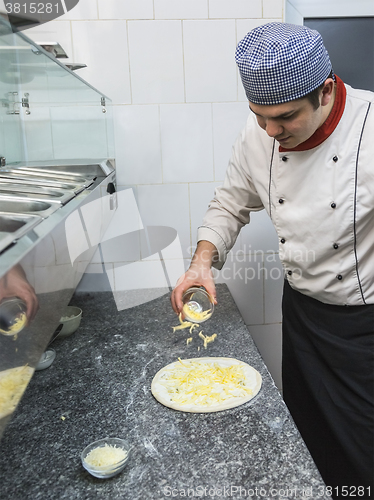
(327, 91)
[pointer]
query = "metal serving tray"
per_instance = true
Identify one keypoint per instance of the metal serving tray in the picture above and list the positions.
(30, 173)
(19, 205)
(39, 192)
(85, 172)
(85, 168)
(50, 183)
(54, 174)
(14, 226)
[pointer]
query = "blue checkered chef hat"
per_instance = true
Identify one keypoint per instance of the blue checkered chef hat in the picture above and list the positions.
(281, 62)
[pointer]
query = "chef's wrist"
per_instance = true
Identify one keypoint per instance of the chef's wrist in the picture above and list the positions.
(206, 254)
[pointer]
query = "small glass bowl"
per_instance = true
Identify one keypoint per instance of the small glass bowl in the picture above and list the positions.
(12, 316)
(106, 471)
(197, 305)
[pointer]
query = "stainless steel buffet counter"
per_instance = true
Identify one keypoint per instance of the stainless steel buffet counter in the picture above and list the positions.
(52, 218)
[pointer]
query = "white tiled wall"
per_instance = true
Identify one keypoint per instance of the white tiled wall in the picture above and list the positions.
(181, 9)
(168, 66)
(156, 61)
(108, 72)
(138, 126)
(125, 9)
(235, 9)
(210, 72)
(187, 143)
(228, 120)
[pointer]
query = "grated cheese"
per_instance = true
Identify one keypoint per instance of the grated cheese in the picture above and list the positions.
(189, 340)
(194, 325)
(18, 324)
(204, 384)
(63, 319)
(104, 456)
(207, 340)
(194, 315)
(183, 324)
(13, 383)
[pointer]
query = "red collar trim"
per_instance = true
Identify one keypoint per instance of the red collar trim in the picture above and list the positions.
(329, 125)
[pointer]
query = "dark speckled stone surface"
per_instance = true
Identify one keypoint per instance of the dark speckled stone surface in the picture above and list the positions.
(100, 382)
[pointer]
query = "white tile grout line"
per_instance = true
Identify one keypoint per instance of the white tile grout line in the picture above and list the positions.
(176, 19)
(160, 138)
(189, 217)
(128, 56)
(183, 61)
(213, 157)
(72, 41)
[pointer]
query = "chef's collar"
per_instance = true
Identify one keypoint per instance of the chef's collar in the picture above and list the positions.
(329, 125)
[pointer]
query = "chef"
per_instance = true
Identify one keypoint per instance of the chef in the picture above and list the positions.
(306, 156)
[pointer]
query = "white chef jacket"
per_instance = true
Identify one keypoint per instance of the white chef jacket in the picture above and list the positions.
(321, 202)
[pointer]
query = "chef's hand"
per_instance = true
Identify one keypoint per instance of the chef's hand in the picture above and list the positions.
(15, 284)
(198, 274)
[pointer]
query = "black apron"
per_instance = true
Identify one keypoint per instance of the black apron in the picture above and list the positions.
(328, 386)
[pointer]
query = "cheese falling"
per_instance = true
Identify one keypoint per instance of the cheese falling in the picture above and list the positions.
(194, 325)
(13, 383)
(207, 340)
(105, 456)
(204, 384)
(183, 325)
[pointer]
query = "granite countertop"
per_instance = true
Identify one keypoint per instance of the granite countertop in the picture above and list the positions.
(100, 383)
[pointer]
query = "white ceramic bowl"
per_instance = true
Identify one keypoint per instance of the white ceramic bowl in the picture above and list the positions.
(71, 320)
(111, 469)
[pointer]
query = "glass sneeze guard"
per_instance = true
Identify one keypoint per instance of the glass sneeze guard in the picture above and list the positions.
(46, 111)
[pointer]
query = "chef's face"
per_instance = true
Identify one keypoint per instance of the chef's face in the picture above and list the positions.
(290, 123)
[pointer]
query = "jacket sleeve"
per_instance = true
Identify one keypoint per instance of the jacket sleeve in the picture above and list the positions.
(230, 208)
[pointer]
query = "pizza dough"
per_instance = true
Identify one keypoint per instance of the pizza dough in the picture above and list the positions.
(13, 383)
(208, 384)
